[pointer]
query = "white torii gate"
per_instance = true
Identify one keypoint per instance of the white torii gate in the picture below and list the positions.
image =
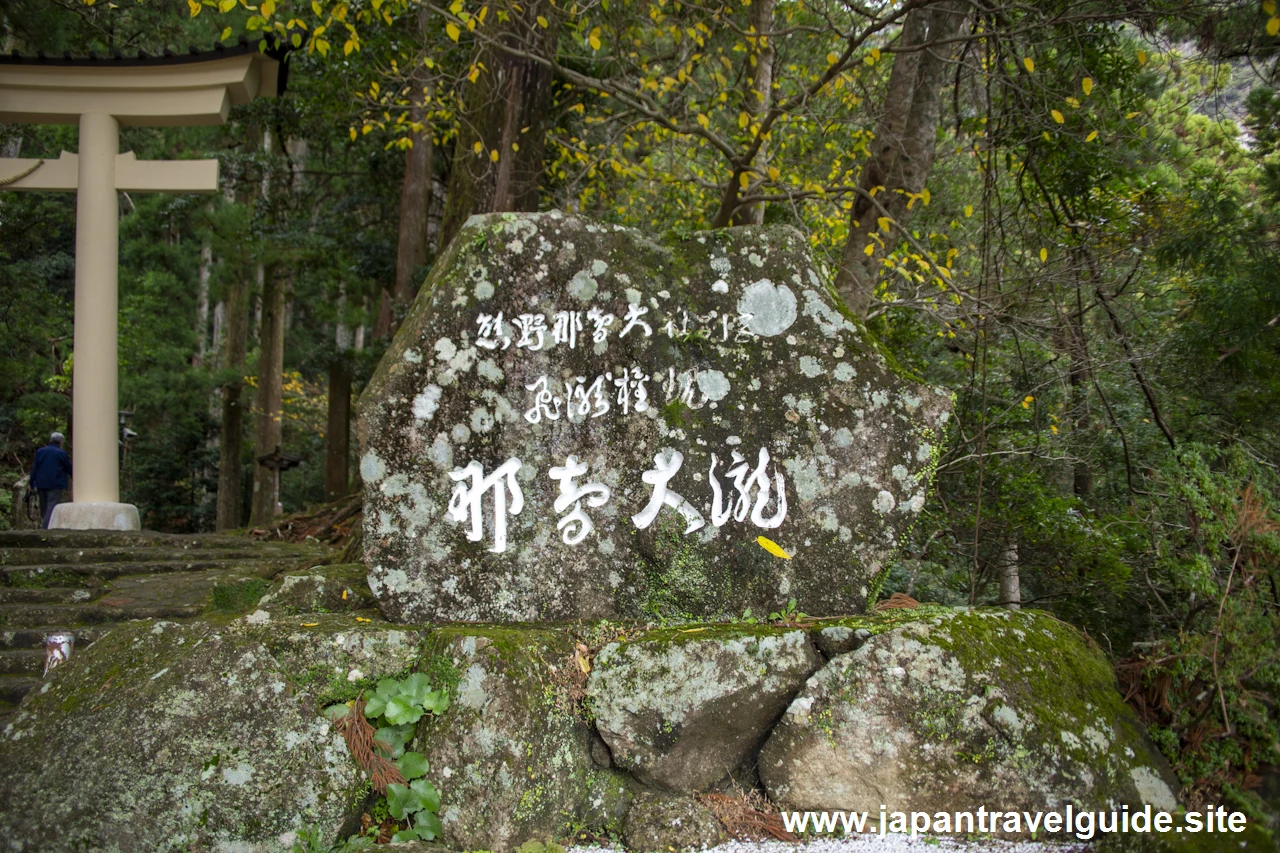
(100, 95)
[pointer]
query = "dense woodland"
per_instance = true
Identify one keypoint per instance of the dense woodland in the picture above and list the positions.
(1065, 212)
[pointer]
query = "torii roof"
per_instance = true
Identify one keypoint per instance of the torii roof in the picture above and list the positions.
(196, 88)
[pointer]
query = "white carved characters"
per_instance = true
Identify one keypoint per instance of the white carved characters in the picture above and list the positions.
(744, 483)
(666, 464)
(575, 526)
(465, 503)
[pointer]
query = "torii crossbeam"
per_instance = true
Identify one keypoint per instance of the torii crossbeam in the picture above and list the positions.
(100, 95)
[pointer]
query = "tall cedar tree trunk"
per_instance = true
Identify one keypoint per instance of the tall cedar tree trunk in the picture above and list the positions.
(338, 434)
(202, 303)
(1010, 584)
(904, 148)
(758, 99)
(506, 111)
(411, 248)
(268, 423)
(337, 445)
(232, 434)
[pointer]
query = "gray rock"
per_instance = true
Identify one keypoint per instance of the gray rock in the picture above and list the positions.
(511, 755)
(982, 707)
(166, 737)
(660, 824)
(839, 639)
(713, 368)
(681, 709)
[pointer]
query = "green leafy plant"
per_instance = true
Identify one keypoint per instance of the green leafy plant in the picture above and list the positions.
(394, 770)
(535, 846)
(788, 615)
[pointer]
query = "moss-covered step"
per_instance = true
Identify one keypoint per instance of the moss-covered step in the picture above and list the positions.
(582, 421)
(951, 710)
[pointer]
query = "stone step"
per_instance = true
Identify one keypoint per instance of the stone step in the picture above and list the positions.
(16, 539)
(14, 687)
(7, 710)
(33, 638)
(30, 615)
(84, 574)
(22, 662)
(52, 595)
(144, 556)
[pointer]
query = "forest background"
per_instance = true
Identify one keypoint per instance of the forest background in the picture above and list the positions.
(1065, 212)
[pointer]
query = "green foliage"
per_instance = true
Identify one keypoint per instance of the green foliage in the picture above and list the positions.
(311, 840)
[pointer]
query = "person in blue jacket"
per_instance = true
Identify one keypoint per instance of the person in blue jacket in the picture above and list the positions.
(49, 475)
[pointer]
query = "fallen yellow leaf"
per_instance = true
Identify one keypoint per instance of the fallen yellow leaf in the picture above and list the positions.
(310, 624)
(1029, 64)
(773, 547)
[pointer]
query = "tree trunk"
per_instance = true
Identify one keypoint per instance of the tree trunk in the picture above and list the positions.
(506, 112)
(232, 435)
(1010, 585)
(904, 149)
(1078, 397)
(338, 436)
(759, 97)
(268, 426)
(202, 303)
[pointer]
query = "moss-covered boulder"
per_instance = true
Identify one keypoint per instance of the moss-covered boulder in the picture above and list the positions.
(665, 824)
(579, 420)
(166, 737)
(682, 708)
(338, 588)
(513, 755)
(953, 711)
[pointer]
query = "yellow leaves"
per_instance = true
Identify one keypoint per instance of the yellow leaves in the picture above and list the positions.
(1029, 64)
(743, 119)
(344, 594)
(774, 173)
(744, 179)
(925, 196)
(832, 59)
(225, 6)
(226, 34)
(1131, 115)
(1087, 86)
(362, 619)
(493, 156)
(704, 121)
(484, 13)
(1074, 103)
(772, 547)
(543, 22)
(582, 657)
(310, 624)
(869, 250)
(594, 39)
(515, 146)
(452, 30)
(1269, 7)
(474, 74)
(884, 222)
(872, 57)
(478, 147)
(317, 9)
(1027, 401)
(267, 9)
(1142, 57)
(1054, 428)
(353, 134)
(1044, 255)
(968, 210)
(1273, 26)
(1093, 134)
(194, 6)
(350, 45)
(1057, 116)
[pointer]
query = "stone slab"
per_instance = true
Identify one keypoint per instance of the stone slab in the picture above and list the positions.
(88, 515)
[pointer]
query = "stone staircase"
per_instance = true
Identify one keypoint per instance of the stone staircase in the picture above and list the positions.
(87, 582)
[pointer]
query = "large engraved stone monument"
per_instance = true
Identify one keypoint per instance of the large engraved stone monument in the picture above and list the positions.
(578, 420)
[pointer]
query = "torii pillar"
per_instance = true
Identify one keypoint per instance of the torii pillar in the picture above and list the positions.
(99, 95)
